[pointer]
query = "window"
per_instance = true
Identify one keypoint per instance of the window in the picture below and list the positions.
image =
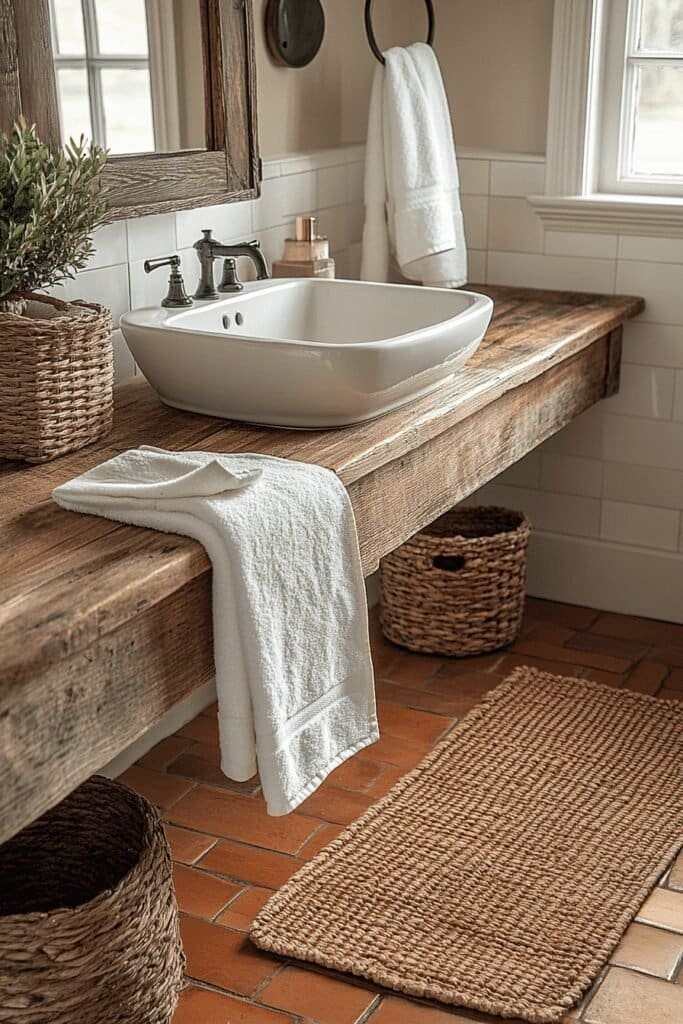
(639, 148)
(615, 119)
(103, 72)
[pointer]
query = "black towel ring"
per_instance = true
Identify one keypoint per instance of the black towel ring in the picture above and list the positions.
(371, 32)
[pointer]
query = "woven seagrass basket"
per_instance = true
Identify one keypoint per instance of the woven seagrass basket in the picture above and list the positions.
(457, 587)
(88, 918)
(56, 379)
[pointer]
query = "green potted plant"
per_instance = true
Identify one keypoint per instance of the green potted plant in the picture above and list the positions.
(56, 360)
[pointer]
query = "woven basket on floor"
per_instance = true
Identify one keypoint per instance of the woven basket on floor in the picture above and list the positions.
(88, 918)
(56, 378)
(457, 587)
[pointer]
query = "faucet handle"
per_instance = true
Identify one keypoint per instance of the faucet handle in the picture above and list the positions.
(176, 296)
(165, 261)
(230, 281)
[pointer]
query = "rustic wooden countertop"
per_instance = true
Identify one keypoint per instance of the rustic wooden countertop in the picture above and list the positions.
(104, 627)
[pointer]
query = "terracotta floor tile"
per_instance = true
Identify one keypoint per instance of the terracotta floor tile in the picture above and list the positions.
(618, 647)
(232, 816)
(647, 677)
(384, 653)
(393, 1010)
(427, 699)
(250, 864)
(550, 633)
(411, 669)
(675, 679)
(356, 774)
(211, 711)
(204, 1006)
(165, 752)
(396, 751)
(224, 958)
(644, 631)
(382, 660)
(675, 879)
(387, 779)
(591, 659)
(378, 642)
(186, 846)
(597, 675)
(160, 789)
(573, 616)
(319, 996)
(627, 997)
(208, 752)
(464, 691)
(201, 894)
(244, 909)
(464, 666)
(408, 724)
(193, 765)
(230, 879)
(203, 729)
(339, 806)
(320, 840)
(669, 655)
(652, 950)
(560, 668)
(664, 908)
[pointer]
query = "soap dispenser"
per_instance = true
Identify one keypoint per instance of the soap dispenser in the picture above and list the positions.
(306, 255)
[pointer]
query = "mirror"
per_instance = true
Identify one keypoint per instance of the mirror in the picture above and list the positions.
(130, 73)
(168, 86)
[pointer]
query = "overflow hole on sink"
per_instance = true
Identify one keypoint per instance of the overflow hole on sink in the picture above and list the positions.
(239, 319)
(226, 321)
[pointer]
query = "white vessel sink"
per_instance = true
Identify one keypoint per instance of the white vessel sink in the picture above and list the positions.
(307, 352)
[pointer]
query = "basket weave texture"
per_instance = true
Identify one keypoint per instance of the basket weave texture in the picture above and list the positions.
(88, 918)
(457, 587)
(56, 380)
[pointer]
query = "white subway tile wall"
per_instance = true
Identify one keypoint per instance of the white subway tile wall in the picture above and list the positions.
(513, 226)
(327, 183)
(606, 494)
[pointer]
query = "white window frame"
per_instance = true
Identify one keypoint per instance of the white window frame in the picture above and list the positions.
(622, 58)
(573, 200)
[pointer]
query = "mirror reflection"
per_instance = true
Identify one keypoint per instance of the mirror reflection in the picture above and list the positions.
(130, 73)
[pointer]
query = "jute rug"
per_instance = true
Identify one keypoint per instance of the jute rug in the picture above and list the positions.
(502, 871)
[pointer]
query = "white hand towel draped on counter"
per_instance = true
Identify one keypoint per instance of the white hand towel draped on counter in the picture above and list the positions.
(412, 190)
(291, 649)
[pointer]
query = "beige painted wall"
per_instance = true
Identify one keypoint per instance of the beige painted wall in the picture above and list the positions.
(495, 56)
(325, 103)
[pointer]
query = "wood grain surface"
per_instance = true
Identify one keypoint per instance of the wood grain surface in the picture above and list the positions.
(76, 592)
(228, 170)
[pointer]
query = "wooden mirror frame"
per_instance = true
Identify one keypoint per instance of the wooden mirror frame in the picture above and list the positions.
(229, 169)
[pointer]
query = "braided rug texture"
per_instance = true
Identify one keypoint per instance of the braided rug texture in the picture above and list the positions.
(501, 872)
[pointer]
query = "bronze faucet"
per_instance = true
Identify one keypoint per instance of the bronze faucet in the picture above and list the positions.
(209, 249)
(176, 297)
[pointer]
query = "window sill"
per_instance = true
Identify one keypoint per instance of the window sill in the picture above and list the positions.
(660, 216)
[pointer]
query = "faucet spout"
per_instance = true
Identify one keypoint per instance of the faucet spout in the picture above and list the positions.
(250, 249)
(209, 249)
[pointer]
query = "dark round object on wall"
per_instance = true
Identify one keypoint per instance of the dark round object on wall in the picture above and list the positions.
(294, 30)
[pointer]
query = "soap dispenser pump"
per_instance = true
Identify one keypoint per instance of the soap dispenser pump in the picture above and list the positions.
(305, 255)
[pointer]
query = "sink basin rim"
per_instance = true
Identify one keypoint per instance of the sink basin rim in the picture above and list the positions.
(154, 317)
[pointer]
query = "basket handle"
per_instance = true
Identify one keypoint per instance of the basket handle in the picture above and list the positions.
(448, 563)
